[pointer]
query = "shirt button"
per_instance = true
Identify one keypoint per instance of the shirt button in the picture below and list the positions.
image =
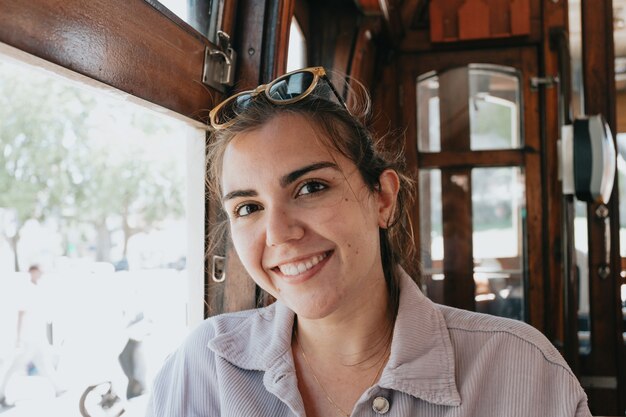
(380, 405)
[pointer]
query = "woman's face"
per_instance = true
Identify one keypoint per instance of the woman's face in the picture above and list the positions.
(302, 220)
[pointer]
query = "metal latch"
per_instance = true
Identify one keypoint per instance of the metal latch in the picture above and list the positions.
(218, 269)
(549, 82)
(219, 64)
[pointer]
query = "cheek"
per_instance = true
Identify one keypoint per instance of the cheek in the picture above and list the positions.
(352, 223)
(247, 247)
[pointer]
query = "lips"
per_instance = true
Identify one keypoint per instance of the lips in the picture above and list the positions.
(302, 265)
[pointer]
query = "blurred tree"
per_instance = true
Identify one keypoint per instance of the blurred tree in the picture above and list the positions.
(71, 156)
(34, 139)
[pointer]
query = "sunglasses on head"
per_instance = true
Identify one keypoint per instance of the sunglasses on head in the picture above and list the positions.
(286, 89)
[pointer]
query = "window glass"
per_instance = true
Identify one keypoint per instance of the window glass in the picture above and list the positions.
(498, 217)
(205, 16)
(296, 52)
(101, 243)
(494, 108)
(431, 238)
(581, 243)
(428, 134)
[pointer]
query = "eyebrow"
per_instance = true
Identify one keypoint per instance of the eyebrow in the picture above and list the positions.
(239, 193)
(293, 176)
(284, 180)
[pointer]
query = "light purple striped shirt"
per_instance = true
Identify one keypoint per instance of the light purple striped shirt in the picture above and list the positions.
(444, 362)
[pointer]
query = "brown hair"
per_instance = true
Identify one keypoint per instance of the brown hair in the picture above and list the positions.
(346, 134)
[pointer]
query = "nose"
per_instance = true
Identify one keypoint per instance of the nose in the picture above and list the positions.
(282, 227)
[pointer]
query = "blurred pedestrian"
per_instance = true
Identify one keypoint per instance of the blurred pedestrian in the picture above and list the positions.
(33, 351)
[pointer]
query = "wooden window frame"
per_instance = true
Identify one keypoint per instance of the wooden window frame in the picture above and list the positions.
(460, 291)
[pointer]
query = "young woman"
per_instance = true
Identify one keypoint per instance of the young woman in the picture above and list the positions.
(317, 215)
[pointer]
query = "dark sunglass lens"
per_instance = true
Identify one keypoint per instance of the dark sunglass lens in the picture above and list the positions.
(291, 86)
(233, 108)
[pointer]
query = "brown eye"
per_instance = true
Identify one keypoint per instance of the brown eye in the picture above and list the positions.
(312, 187)
(247, 209)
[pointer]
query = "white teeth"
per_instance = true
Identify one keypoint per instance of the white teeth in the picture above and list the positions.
(300, 267)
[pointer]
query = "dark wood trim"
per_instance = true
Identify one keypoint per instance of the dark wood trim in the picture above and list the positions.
(555, 14)
(454, 114)
(230, 16)
(363, 63)
(278, 26)
(333, 28)
(301, 13)
(405, 98)
(418, 64)
(390, 11)
(458, 260)
(456, 191)
(535, 285)
(607, 348)
(249, 44)
(468, 158)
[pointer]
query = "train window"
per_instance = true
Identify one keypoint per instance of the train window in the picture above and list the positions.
(297, 50)
(472, 189)
(102, 220)
(498, 216)
(205, 16)
(428, 138)
(494, 107)
(431, 237)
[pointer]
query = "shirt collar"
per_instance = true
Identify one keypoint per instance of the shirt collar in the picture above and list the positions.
(254, 340)
(421, 362)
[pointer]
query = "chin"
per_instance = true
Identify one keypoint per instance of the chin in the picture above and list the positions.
(311, 311)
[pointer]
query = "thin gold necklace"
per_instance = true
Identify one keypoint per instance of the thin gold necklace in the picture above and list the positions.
(328, 397)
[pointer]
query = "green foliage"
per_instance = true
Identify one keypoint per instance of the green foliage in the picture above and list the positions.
(72, 156)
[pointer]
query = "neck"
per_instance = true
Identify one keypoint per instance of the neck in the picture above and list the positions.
(356, 337)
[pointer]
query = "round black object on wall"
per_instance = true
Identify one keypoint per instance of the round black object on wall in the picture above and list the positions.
(593, 159)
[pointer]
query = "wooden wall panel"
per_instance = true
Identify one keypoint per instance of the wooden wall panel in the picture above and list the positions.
(535, 221)
(607, 347)
(277, 36)
(418, 39)
(554, 320)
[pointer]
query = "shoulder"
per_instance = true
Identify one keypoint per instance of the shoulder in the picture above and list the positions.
(224, 325)
(504, 355)
(475, 331)
(188, 382)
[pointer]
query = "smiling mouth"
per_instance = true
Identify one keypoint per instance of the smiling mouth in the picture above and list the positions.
(296, 268)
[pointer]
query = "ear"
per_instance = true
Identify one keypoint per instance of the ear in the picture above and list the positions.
(387, 197)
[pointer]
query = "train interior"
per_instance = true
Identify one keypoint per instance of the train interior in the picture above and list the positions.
(103, 123)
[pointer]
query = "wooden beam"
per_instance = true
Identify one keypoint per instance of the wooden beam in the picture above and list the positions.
(390, 11)
(607, 346)
(464, 159)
